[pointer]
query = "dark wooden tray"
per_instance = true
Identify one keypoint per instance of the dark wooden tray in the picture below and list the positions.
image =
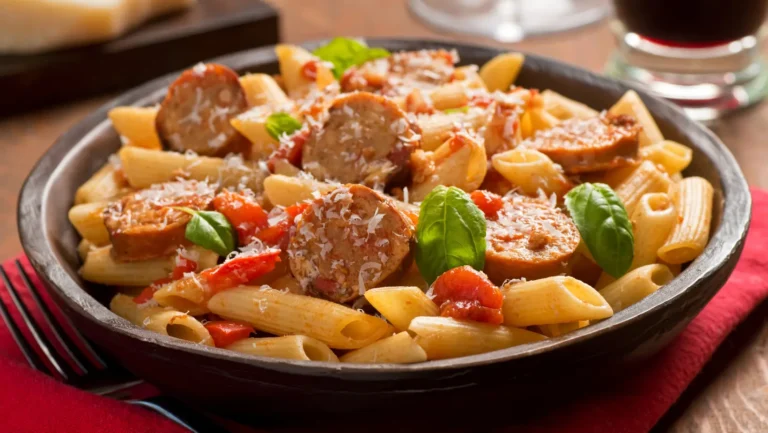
(209, 29)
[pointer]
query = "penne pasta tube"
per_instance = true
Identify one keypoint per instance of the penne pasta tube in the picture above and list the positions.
(565, 108)
(531, 171)
(88, 221)
(559, 329)
(444, 337)
(281, 313)
(652, 221)
(143, 168)
(452, 95)
(636, 285)
(106, 184)
(286, 191)
(137, 125)
(674, 157)
(541, 120)
(253, 125)
(83, 248)
(552, 300)
(438, 128)
(262, 89)
(397, 349)
(646, 178)
(299, 347)
(400, 305)
(469, 77)
(459, 162)
(631, 104)
(161, 320)
(693, 201)
(292, 59)
(501, 71)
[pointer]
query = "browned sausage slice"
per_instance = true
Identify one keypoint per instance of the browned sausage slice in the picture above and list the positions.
(196, 112)
(366, 139)
(401, 73)
(586, 145)
(143, 225)
(528, 238)
(348, 241)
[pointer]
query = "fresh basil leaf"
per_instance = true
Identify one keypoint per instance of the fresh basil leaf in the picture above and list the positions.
(281, 123)
(344, 53)
(464, 109)
(211, 230)
(450, 233)
(604, 225)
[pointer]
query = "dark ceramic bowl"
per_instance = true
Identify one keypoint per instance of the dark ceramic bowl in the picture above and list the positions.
(233, 382)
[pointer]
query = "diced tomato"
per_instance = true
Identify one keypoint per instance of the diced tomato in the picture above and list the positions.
(480, 100)
(183, 265)
(226, 332)
(290, 152)
(309, 70)
(413, 216)
(277, 234)
(247, 216)
(488, 202)
(471, 310)
(464, 293)
(240, 270)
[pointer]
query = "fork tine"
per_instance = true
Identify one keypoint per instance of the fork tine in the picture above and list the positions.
(59, 364)
(69, 346)
(29, 353)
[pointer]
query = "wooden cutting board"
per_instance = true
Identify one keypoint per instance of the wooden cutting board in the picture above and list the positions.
(210, 28)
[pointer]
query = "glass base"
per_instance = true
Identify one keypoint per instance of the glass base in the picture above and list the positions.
(508, 20)
(707, 83)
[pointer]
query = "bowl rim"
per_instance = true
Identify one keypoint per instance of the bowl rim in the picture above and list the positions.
(723, 244)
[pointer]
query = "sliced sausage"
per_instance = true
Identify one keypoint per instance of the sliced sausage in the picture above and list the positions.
(366, 139)
(401, 73)
(348, 241)
(528, 238)
(586, 145)
(196, 112)
(143, 225)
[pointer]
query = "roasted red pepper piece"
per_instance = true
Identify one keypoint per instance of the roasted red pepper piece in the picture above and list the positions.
(464, 293)
(226, 332)
(239, 270)
(246, 216)
(488, 202)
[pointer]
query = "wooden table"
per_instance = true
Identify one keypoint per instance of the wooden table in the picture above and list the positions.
(731, 395)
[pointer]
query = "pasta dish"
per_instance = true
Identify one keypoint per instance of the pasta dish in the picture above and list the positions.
(364, 206)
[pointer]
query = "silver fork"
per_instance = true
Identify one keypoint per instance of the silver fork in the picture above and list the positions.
(86, 369)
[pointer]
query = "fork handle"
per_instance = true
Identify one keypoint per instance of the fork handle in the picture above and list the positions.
(179, 413)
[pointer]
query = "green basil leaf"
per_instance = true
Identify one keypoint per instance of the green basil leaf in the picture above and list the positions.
(344, 53)
(464, 109)
(281, 123)
(604, 225)
(450, 233)
(211, 230)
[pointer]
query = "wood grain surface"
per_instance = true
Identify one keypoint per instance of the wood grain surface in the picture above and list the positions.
(731, 395)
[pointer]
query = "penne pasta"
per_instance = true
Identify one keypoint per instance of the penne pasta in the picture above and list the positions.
(88, 221)
(444, 337)
(438, 128)
(693, 201)
(143, 168)
(565, 108)
(285, 191)
(282, 313)
(452, 95)
(652, 221)
(635, 285)
(106, 184)
(253, 125)
(161, 320)
(552, 300)
(298, 347)
(631, 104)
(263, 90)
(137, 126)
(531, 171)
(400, 305)
(83, 248)
(459, 162)
(292, 59)
(645, 179)
(501, 71)
(397, 349)
(559, 329)
(672, 156)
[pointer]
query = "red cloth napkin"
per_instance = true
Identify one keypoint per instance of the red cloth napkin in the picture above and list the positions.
(32, 402)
